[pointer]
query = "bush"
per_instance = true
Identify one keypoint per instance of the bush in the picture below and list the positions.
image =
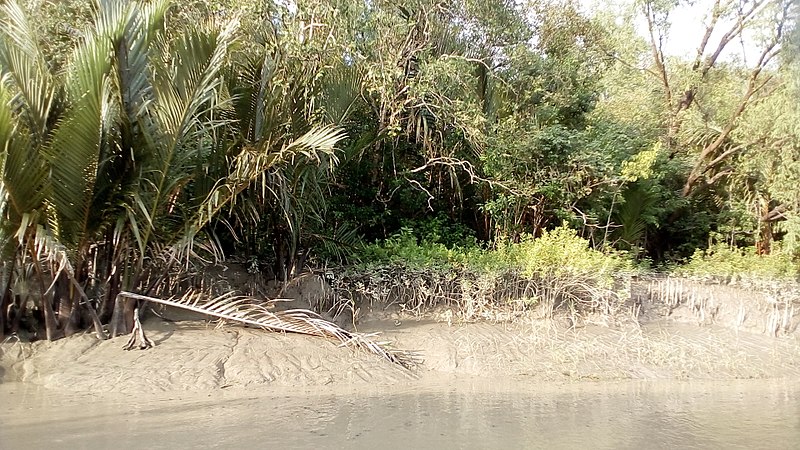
(722, 263)
(562, 253)
(558, 269)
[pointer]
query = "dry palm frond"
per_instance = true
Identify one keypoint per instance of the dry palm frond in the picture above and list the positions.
(250, 311)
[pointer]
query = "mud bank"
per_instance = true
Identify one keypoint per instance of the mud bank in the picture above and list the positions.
(195, 356)
(687, 333)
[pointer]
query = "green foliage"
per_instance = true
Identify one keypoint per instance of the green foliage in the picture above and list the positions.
(632, 217)
(114, 168)
(440, 229)
(640, 165)
(722, 263)
(562, 253)
(462, 134)
(555, 253)
(558, 269)
(59, 26)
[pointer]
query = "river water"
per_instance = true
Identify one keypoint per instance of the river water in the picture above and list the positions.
(451, 414)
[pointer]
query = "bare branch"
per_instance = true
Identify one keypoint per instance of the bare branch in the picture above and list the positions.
(775, 214)
(629, 65)
(465, 166)
(658, 52)
(755, 83)
(744, 19)
(723, 156)
(715, 13)
(718, 176)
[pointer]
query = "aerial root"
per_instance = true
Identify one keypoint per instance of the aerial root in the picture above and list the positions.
(138, 337)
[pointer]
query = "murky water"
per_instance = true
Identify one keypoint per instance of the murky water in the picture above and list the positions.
(462, 414)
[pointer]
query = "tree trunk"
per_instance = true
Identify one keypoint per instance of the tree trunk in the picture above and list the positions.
(52, 330)
(6, 296)
(4, 307)
(129, 313)
(21, 310)
(764, 242)
(3, 320)
(47, 300)
(122, 318)
(282, 257)
(108, 306)
(117, 324)
(69, 311)
(93, 317)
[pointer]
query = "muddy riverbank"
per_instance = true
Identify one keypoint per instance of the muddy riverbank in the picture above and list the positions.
(658, 378)
(663, 338)
(195, 356)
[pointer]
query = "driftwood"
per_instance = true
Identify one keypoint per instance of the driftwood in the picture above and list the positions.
(252, 312)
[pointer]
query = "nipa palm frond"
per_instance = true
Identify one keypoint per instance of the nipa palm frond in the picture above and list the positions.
(186, 92)
(23, 172)
(341, 242)
(22, 60)
(252, 165)
(77, 145)
(249, 311)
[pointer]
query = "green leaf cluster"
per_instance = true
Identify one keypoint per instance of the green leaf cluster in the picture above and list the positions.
(557, 270)
(722, 263)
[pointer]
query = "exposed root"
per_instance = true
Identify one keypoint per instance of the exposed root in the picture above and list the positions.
(138, 337)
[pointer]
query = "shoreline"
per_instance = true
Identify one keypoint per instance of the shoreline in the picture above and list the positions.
(198, 356)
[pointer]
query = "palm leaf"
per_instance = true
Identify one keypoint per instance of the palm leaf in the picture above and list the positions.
(252, 165)
(132, 60)
(79, 142)
(23, 172)
(186, 96)
(22, 59)
(27, 99)
(341, 243)
(632, 215)
(341, 92)
(249, 311)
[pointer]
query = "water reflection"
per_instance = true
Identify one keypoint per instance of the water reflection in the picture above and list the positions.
(475, 414)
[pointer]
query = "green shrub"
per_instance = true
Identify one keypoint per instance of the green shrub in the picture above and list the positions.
(405, 249)
(722, 263)
(562, 253)
(558, 268)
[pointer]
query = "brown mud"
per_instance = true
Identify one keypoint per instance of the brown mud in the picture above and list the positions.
(668, 341)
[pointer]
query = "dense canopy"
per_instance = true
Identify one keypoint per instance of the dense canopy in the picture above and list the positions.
(138, 137)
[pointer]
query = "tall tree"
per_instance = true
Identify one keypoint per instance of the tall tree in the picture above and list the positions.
(726, 21)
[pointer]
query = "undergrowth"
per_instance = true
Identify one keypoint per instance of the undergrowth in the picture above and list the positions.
(555, 270)
(723, 264)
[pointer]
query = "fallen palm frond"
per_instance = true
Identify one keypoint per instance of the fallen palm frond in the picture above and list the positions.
(250, 311)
